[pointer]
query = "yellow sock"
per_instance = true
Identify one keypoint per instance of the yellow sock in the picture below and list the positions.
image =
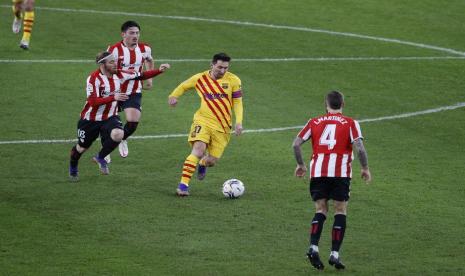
(28, 23)
(188, 168)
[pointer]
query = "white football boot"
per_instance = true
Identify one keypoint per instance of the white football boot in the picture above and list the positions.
(123, 148)
(16, 27)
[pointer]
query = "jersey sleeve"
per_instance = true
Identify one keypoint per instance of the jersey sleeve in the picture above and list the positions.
(306, 132)
(123, 76)
(355, 131)
(184, 86)
(91, 87)
(236, 87)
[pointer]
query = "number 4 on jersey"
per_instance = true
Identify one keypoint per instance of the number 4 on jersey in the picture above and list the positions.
(328, 136)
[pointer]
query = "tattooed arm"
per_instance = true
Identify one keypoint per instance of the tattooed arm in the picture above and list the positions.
(301, 169)
(363, 158)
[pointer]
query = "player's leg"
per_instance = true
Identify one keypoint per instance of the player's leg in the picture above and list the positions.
(132, 111)
(320, 193)
(27, 24)
(199, 138)
(340, 195)
(17, 20)
(219, 142)
(111, 134)
(87, 133)
(188, 168)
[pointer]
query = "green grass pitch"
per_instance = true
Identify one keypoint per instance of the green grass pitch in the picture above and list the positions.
(410, 221)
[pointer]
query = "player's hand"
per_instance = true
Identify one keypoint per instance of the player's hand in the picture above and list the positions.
(172, 101)
(366, 175)
(238, 129)
(121, 97)
(148, 84)
(300, 171)
(164, 67)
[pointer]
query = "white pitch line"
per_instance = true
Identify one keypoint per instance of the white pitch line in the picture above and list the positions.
(276, 129)
(262, 25)
(290, 59)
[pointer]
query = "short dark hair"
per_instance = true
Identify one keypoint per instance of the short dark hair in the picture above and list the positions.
(101, 56)
(335, 99)
(222, 57)
(128, 24)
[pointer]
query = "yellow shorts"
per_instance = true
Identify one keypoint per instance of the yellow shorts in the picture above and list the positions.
(216, 141)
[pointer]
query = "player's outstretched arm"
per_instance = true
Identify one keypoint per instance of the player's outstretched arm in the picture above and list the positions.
(181, 89)
(149, 66)
(363, 158)
(301, 169)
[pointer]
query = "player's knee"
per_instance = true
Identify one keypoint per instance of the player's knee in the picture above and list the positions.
(80, 149)
(117, 134)
(321, 206)
(340, 207)
(29, 5)
(198, 149)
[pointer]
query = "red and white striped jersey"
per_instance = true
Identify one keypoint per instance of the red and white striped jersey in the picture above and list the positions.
(101, 104)
(332, 137)
(131, 59)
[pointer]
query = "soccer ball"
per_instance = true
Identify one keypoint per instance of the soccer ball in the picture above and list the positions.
(233, 188)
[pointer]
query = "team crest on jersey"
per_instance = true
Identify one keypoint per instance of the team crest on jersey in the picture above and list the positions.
(224, 85)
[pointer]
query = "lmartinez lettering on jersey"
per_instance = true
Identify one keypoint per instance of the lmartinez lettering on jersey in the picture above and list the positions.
(331, 118)
(212, 96)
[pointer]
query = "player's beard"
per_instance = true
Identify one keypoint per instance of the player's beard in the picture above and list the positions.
(111, 69)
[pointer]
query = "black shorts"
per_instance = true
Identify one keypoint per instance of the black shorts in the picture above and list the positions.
(336, 188)
(89, 131)
(134, 101)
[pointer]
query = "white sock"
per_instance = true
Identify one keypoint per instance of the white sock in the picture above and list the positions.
(335, 254)
(314, 247)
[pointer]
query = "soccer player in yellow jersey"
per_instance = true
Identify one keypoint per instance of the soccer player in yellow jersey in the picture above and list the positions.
(220, 94)
(26, 6)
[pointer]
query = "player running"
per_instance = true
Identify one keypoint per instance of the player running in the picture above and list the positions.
(130, 54)
(332, 137)
(99, 116)
(23, 10)
(220, 93)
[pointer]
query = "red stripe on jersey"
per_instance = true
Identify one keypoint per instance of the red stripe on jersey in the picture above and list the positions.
(108, 105)
(28, 20)
(324, 165)
(313, 165)
(120, 53)
(349, 166)
(84, 110)
(337, 171)
(186, 175)
(214, 92)
(209, 106)
(221, 90)
(142, 47)
(132, 57)
(215, 103)
(93, 113)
